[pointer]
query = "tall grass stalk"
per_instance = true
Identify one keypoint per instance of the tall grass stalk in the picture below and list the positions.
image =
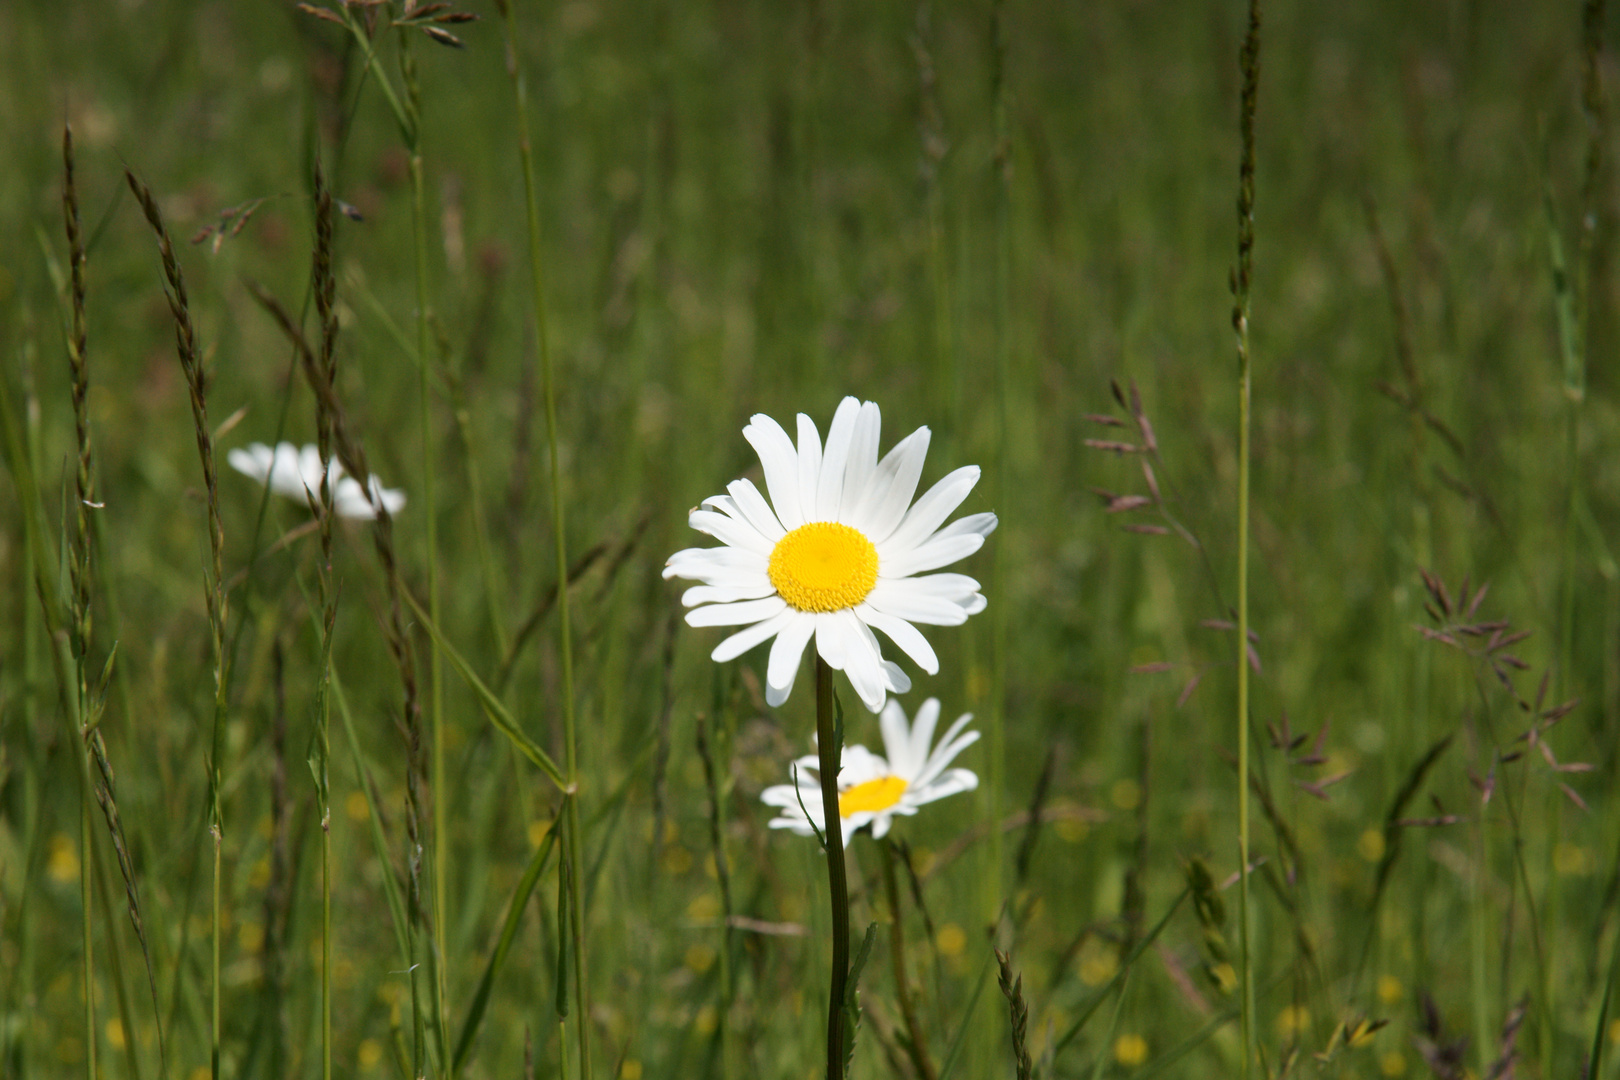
(79, 556)
(436, 786)
(575, 928)
(323, 286)
(1250, 64)
(196, 384)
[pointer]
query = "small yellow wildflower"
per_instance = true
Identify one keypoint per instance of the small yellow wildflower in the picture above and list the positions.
(950, 940)
(371, 1053)
(1130, 1050)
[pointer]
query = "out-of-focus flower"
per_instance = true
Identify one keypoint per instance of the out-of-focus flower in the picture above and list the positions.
(296, 474)
(872, 790)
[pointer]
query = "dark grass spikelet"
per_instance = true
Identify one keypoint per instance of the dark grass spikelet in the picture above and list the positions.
(81, 568)
(185, 341)
(78, 362)
(1012, 988)
(1249, 61)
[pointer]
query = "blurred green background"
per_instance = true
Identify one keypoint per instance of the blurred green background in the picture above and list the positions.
(759, 207)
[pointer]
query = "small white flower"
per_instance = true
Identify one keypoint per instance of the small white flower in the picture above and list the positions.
(871, 791)
(296, 474)
(836, 553)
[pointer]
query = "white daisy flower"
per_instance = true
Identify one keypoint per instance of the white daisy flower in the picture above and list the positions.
(836, 553)
(296, 474)
(871, 791)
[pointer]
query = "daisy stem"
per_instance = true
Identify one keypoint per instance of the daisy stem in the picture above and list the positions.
(830, 750)
(902, 988)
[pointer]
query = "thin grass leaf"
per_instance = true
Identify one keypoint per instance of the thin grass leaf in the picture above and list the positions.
(514, 916)
(493, 707)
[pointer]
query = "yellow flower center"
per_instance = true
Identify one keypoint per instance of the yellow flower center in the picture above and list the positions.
(823, 566)
(874, 795)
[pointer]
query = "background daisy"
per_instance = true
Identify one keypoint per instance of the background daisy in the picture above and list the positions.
(871, 789)
(836, 553)
(296, 474)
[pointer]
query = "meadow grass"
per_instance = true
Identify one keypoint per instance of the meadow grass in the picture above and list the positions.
(456, 793)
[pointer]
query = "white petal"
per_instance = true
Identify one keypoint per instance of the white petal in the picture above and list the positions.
(897, 740)
(717, 566)
(730, 531)
(789, 796)
(392, 499)
(781, 466)
(903, 634)
(740, 642)
(905, 599)
(745, 611)
(835, 459)
(830, 640)
(948, 748)
(858, 765)
(348, 499)
(896, 481)
(951, 538)
(951, 783)
(880, 825)
(931, 555)
(899, 681)
(253, 461)
(309, 469)
(922, 735)
(809, 467)
(754, 507)
(286, 479)
(974, 604)
(930, 511)
(861, 471)
(786, 653)
(860, 661)
(725, 594)
(958, 588)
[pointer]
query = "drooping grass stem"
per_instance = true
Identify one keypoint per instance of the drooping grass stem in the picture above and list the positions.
(1250, 64)
(576, 928)
(829, 746)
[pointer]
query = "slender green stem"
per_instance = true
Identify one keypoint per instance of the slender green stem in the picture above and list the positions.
(1002, 165)
(830, 750)
(559, 533)
(440, 799)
